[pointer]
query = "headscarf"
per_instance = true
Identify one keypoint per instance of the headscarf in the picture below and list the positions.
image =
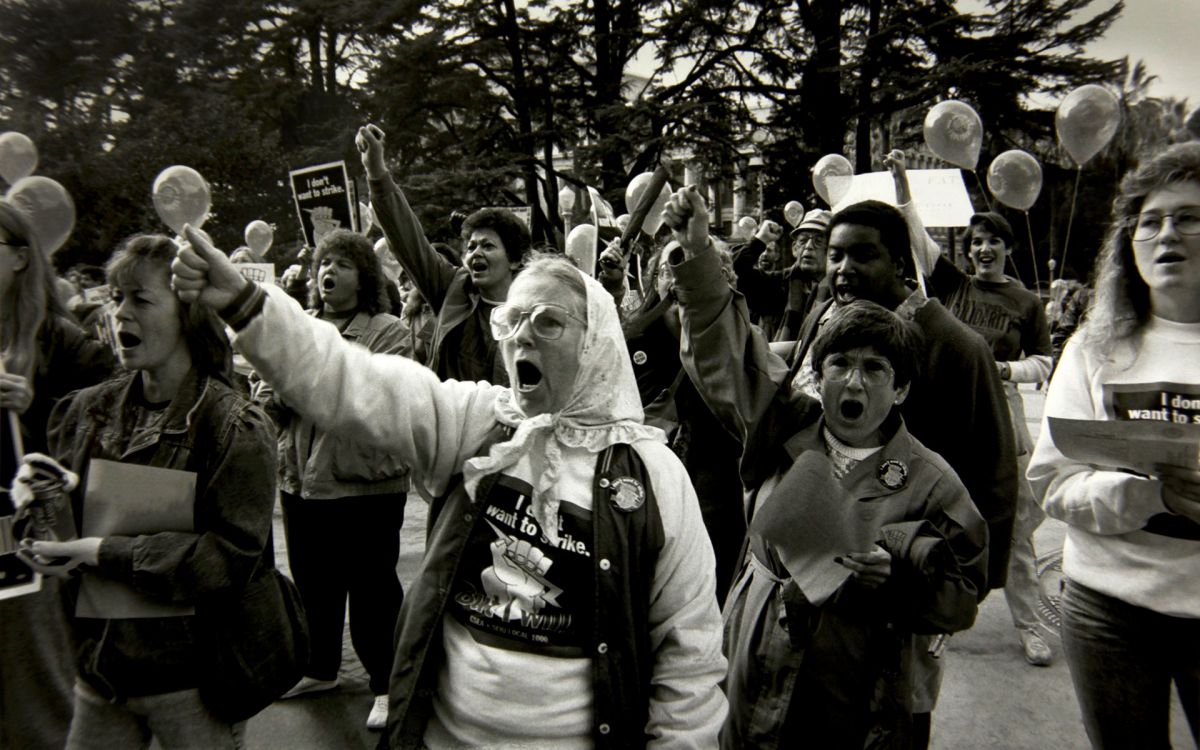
(604, 409)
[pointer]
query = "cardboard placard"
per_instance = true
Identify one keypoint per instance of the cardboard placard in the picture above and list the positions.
(940, 195)
(324, 197)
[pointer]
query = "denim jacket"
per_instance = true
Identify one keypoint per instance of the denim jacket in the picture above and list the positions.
(230, 445)
(316, 463)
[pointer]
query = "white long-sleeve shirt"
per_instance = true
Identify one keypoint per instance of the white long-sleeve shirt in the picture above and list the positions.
(1121, 540)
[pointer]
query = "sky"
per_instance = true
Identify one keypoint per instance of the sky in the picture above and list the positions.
(1163, 33)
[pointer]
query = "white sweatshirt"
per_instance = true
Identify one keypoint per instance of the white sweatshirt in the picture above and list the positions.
(434, 426)
(1110, 547)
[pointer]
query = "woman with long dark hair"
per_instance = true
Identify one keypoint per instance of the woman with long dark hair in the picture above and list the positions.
(45, 356)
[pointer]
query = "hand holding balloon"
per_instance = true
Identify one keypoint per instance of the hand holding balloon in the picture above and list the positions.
(201, 273)
(370, 146)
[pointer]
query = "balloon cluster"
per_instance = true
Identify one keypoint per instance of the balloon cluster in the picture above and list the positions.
(44, 201)
(1086, 121)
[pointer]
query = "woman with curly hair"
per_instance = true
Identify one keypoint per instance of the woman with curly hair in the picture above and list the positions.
(334, 487)
(1131, 609)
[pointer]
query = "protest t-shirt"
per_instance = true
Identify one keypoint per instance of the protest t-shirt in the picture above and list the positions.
(1003, 312)
(519, 620)
(1155, 378)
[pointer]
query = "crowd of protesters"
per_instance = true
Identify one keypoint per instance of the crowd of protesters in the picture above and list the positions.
(743, 509)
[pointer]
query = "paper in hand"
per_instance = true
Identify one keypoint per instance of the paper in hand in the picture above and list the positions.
(1121, 444)
(809, 519)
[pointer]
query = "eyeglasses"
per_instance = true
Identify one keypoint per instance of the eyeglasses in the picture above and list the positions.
(837, 368)
(1185, 220)
(546, 321)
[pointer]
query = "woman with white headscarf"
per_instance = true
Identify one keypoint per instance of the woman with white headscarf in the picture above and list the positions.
(567, 596)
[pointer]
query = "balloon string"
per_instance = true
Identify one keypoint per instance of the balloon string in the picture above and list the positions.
(14, 426)
(1070, 220)
(1037, 281)
(986, 198)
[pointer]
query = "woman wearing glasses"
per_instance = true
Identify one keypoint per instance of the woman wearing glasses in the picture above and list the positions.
(566, 597)
(1131, 610)
(820, 644)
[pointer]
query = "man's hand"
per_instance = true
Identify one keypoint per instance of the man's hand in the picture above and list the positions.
(768, 232)
(370, 146)
(201, 273)
(896, 162)
(687, 217)
(871, 569)
(16, 393)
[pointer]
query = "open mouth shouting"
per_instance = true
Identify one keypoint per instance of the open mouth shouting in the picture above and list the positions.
(128, 340)
(478, 267)
(1169, 257)
(328, 282)
(851, 409)
(529, 376)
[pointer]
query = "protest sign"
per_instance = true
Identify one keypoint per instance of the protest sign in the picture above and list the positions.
(260, 273)
(940, 195)
(324, 200)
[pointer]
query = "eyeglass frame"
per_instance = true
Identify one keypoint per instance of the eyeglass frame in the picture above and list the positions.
(889, 372)
(1132, 227)
(528, 315)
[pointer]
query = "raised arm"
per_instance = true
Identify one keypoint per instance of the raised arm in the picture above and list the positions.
(430, 272)
(384, 400)
(726, 356)
(925, 251)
